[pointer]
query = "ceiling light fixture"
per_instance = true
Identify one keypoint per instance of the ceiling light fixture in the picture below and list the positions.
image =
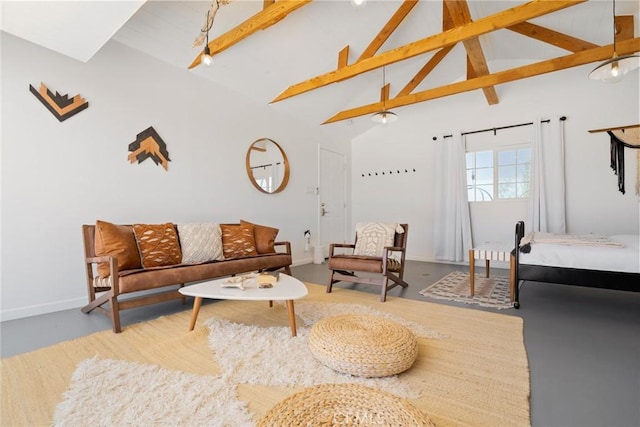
(385, 116)
(206, 55)
(358, 3)
(614, 69)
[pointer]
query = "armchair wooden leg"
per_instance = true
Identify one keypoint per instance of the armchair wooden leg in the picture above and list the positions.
(330, 284)
(383, 293)
(115, 315)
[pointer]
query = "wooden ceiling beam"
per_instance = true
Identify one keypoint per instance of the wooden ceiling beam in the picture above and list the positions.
(460, 15)
(388, 29)
(424, 71)
(572, 60)
(270, 15)
(485, 25)
(563, 41)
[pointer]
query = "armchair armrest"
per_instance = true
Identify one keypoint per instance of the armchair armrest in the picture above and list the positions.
(340, 245)
(287, 246)
(97, 259)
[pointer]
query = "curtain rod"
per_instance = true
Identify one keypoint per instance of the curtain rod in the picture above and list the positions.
(562, 119)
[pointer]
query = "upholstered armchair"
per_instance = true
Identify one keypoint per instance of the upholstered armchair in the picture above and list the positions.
(378, 256)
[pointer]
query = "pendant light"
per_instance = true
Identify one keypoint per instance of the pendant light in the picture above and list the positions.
(385, 116)
(206, 55)
(614, 70)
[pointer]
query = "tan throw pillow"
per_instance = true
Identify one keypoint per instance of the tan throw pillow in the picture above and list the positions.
(158, 244)
(238, 240)
(264, 236)
(373, 237)
(200, 242)
(117, 241)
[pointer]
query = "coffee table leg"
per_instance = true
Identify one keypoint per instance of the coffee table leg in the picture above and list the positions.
(197, 302)
(292, 317)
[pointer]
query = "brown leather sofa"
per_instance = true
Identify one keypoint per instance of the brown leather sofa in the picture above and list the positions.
(138, 280)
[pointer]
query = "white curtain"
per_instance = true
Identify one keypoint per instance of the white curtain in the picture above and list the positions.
(546, 211)
(452, 227)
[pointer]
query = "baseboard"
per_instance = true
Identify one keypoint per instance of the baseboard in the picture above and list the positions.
(35, 310)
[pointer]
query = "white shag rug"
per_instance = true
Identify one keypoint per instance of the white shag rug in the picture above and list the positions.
(106, 392)
(244, 351)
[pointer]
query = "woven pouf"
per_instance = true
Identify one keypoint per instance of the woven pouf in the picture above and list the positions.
(363, 345)
(344, 404)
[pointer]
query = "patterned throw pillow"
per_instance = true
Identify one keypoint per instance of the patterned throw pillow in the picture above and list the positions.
(158, 244)
(200, 242)
(373, 237)
(264, 236)
(117, 241)
(238, 240)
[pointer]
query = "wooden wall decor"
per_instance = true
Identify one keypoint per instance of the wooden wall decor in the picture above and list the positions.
(60, 105)
(147, 145)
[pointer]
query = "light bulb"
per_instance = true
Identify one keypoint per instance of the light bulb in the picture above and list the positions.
(206, 59)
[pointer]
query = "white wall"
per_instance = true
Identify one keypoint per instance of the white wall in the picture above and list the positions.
(594, 204)
(59, 175)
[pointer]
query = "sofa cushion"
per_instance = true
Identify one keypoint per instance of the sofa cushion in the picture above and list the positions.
(116, 241)
(200, 242)
(238, 240)
(158, 244)
(373, 237)
(264, 236)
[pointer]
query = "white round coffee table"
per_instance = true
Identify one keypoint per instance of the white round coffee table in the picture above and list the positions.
(287, 288)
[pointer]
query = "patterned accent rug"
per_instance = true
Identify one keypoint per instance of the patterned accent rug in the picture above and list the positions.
(489, 292)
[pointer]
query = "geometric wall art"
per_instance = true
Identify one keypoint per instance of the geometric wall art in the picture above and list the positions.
(59, 105)
(149, 145)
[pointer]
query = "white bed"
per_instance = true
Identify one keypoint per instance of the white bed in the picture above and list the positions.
(614, 264)
(625, 257)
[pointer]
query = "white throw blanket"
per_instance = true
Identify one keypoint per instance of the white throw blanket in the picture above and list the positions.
(569, 239)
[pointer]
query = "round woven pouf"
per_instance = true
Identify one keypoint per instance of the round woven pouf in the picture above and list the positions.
(363, 345)
(344, 404)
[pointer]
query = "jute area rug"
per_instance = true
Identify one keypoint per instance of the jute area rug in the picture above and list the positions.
(488, 291)
(471, 369)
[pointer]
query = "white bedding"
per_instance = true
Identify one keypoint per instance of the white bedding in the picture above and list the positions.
(625, 258)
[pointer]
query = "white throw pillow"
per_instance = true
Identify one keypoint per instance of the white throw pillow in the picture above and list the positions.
(200, 242)
(373, 237)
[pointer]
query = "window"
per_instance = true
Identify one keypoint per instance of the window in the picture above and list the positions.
(498, 174)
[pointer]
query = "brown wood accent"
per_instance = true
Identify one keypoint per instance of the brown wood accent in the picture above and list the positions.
(270, 15)
(151, 299)
(384, 92)
(424, 71)
(485, 25)
(197, 302)
(267, 3)
(623, 27)
(460, 15)
(518, 73)
(614, 128)
(292, 317)
(563, 41)
(388, 29)
(472, 273)
(343, 57)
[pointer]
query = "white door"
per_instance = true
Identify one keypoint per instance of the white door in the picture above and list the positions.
(332, 200)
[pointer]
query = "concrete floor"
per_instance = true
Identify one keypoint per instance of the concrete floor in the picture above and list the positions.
(583, 344)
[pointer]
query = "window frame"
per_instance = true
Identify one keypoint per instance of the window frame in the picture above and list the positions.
(495, 151)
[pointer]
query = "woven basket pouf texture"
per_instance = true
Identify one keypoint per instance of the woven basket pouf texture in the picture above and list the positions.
(363, 345)
(344, 404)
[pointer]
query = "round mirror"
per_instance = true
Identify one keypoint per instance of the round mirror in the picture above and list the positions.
(267, 166)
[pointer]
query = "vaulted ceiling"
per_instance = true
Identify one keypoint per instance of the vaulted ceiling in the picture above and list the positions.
(323, 61)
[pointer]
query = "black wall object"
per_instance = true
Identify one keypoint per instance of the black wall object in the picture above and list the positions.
(149, 145)
(59, 105)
